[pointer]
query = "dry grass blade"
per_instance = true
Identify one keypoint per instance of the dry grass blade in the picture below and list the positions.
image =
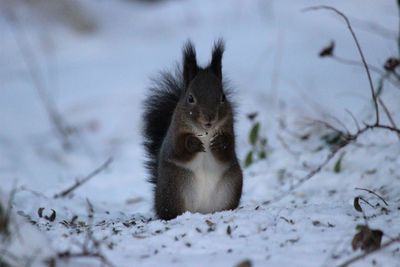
(354, 119)
(21, 38)
(388, 115)
(375, 194)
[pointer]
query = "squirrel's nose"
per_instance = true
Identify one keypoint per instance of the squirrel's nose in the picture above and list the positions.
(208, 120)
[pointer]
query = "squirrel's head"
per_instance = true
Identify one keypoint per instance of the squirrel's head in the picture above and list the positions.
(204, 102)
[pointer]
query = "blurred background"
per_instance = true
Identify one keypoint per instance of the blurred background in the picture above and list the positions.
(73, 74)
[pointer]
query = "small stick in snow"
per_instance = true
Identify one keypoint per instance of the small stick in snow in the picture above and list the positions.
(375, 194)
(306, 178)
(78, 183)
(367, 253)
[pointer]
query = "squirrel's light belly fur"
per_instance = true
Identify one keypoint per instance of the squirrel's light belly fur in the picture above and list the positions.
(205, 192)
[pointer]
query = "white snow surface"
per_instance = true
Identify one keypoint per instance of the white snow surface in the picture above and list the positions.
(98, 82)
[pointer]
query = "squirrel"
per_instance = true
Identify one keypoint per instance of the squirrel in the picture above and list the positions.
(190, 140)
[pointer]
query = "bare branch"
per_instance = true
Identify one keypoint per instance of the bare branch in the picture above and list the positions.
(386, 110)
(374, 98)
(84, 180)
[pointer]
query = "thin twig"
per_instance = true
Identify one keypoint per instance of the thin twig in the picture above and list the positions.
(374, 28)
(354, 119)
(371, 67)
(375, 194)
(388, 115)
(287, 147)
(366, 202)
(378, 126)
(398, 35)
(306, 178)
(340, 123)
(328, 125)
(374, 98)
(368, 253)
(84, 180)
(89, 234)
(357, 63)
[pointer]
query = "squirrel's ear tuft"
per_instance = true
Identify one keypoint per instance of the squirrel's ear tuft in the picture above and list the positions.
(189, 63)
(216, 60)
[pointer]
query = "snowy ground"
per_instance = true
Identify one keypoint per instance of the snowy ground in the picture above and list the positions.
(98, 82)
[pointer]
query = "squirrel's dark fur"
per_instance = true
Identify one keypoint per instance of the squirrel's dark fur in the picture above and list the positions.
(158, 109)
(189, 139)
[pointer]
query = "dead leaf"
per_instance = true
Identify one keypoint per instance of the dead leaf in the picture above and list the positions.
(210, 223)
(245, 263)
(327, 51)
(52, 216)
(356, 204)
(229, 230)
(252, 116)
(211, 226)
(40, 212)
(367, 239)
(391, 64)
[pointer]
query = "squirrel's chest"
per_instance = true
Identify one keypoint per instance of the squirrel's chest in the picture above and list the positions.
(206, 191)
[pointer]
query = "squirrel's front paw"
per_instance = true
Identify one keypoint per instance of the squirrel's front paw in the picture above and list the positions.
(219, 142)
(193, 144)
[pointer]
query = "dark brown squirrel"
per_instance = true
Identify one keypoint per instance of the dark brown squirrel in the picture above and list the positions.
(190, 141)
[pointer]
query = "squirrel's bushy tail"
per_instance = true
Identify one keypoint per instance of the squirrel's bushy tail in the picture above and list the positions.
(158, 110)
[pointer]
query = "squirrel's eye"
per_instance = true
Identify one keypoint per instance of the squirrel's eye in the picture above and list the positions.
(223, 98)
(190, 99)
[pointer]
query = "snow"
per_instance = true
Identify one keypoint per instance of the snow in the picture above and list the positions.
(98, 82)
